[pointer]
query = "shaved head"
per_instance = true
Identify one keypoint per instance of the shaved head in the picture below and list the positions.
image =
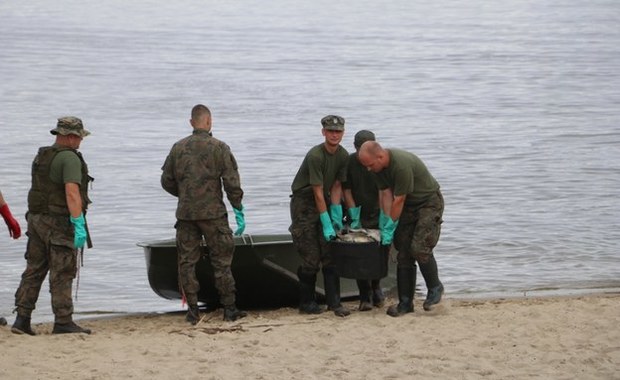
(370, 148)
(373, 156)
(201, 117)
(199, 111)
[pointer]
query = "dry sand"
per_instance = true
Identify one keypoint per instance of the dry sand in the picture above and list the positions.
(575, 337)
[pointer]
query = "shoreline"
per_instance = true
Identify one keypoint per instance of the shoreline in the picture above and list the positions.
(391, 297)
(534, 337)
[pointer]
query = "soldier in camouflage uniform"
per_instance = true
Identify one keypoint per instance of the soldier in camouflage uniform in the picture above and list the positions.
(57, 203)
(413, 206)
(195, 171)
(318, 179)
(362, 200)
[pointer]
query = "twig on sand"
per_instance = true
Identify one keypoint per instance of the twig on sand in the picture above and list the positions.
(207, 330)
(217, 330)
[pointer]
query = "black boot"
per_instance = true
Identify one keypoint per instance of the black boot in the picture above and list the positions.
(378, 298)
(3, 321)
(365, 297)
(69, 328)
(433, 285)
(332, 292)
(231, 313)
(307, 293)
(405, 281)
(22, 326)
(193, 314)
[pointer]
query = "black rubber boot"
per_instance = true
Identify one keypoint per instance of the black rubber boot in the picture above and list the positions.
(193, 314)
(405, 281)
(433, 285)
(307, 293)
(365, 296)
(69, 328)
(231, 313)
(3, 321)
(332, 292)
(378, 298)
(22, 326)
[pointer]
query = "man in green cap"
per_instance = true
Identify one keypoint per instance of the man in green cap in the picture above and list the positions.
(314, 221)
(195, 170)
(413, 206)
(362, 200)
(57, 232)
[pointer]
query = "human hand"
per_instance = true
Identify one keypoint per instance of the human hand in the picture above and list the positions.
(79, 234)
(382, 219)
(328, 229)
(354, 213)
(240, 219)
(14, 230)
(335, 211)
(387, 232)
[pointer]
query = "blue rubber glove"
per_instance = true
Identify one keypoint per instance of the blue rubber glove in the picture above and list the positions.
(354, 213)
(79, 234)
(335, 211)
(383, 218)
(387, 232)
(240, 219)
(328, 228)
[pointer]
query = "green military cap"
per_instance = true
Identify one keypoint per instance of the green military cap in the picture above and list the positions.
(333, 123)
(70, 125)
(361, 137)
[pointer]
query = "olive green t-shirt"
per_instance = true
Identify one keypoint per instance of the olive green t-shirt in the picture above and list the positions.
(319, 167)
(66, 167)
(407, 175)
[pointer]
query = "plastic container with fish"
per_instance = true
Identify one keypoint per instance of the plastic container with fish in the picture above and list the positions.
(358, 254)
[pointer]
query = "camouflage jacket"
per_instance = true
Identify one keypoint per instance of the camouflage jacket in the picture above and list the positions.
(195, 170)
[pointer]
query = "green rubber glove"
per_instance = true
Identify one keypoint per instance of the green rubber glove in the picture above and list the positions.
(335, 211)
(79, 227)
(328, 228)
(354, 213)
(383, 218)
(387, 232)
(240, 219)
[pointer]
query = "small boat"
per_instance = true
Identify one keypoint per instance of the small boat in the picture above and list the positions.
(264, 267)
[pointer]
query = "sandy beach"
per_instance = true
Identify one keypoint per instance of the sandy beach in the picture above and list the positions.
(529, 337)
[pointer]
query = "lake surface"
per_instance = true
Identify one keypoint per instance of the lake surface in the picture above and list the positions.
(514, 106)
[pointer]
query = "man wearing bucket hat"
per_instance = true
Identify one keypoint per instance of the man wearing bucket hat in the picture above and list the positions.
(57, 232)
(314, 221)
(362, 200)
(413, 207)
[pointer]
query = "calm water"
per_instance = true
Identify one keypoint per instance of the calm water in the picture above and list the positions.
(514, 106)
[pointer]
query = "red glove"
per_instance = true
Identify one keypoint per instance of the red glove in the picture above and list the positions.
(14, 229)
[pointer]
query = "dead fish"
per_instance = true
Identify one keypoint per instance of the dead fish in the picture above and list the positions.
(362, 235)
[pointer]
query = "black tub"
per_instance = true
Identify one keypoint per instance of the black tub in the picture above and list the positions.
(368, 260)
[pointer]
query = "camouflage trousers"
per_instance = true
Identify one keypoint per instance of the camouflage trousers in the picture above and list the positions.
(307, 233)
(418, 231)
(218, 238)
(50, 249)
